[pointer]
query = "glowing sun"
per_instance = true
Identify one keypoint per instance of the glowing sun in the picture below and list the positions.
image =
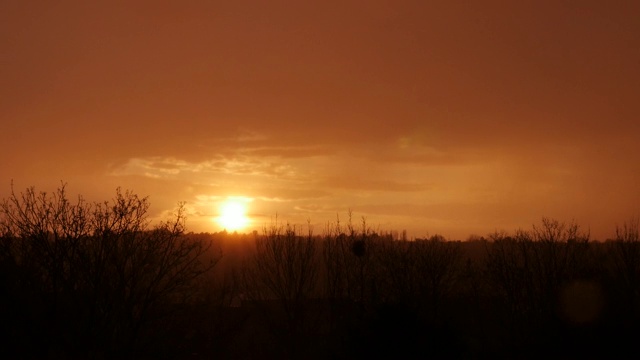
(233, 215)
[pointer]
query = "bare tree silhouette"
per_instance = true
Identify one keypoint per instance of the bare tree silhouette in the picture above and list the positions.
(98, 273)
(530, 270)
(283, 272)
(624, 268)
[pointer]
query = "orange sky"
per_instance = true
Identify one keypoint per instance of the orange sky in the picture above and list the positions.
(431, 116)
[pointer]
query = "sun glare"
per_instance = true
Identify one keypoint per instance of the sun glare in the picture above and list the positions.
(233, 215)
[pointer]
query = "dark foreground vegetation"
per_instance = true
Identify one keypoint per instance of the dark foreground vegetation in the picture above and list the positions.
(80, 280)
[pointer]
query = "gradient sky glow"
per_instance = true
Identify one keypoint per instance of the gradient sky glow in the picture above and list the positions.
(431, 116)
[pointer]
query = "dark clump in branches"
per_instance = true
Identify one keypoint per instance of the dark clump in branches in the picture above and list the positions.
(89, 279)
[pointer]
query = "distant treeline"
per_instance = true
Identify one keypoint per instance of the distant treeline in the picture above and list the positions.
(80, 280)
